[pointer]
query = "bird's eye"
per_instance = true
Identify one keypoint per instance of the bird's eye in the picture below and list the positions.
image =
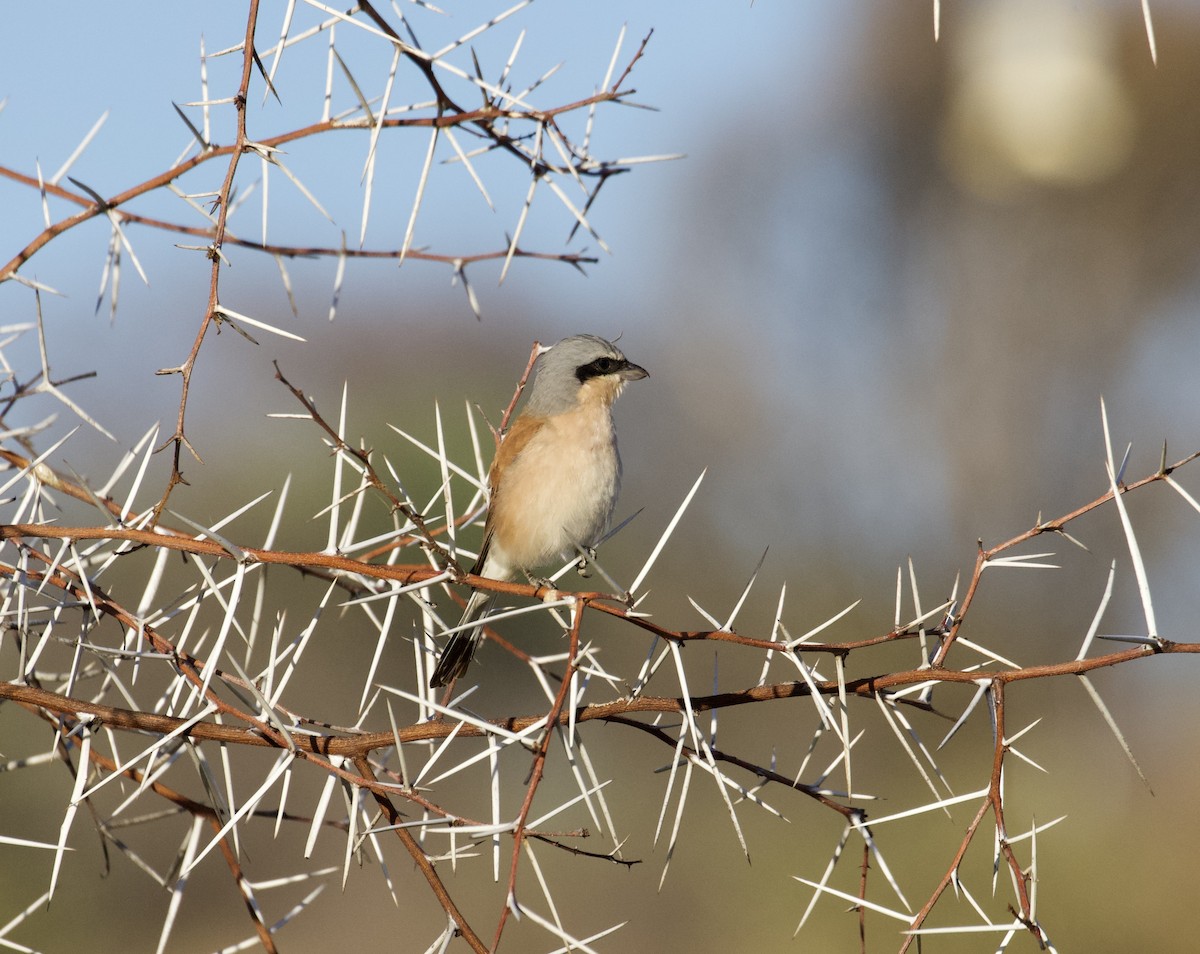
(598, 368)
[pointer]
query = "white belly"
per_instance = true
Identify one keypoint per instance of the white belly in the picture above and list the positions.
(560, 490)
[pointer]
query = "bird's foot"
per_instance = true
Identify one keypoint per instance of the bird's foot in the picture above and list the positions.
(583, 567)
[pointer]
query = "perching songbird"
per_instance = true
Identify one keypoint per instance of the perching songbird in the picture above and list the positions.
(554, 480)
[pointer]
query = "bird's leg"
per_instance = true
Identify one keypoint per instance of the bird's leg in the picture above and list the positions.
(539, 581)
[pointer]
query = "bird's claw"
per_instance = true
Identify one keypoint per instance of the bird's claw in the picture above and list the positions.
(582, 567)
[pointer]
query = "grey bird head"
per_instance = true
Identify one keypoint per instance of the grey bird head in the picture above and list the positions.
(569, 365)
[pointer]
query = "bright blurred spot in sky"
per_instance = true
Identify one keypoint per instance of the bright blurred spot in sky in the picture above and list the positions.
(1037, 98)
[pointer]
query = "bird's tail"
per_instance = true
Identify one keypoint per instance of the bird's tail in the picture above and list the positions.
(456, 657)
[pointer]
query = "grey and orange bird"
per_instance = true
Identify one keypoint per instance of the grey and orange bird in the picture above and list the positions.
(554, 480)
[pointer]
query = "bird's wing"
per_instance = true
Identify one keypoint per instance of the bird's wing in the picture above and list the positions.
(515, 440)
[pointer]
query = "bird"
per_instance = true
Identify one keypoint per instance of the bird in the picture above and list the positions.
(554, 481)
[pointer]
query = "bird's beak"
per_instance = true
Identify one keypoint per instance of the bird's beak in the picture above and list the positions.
(632, 372)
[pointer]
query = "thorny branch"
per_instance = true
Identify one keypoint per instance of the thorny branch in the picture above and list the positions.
(43, 586)
(420, 859)
(212, 313)
(354, 744)
(435, 551)
(239, 726)
(482, 117)
(92, 208)
(490, 123)
(536, 773)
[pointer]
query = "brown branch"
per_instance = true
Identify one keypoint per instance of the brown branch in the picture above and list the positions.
(947, 878)
(417, 853)
(553, 719)
(212, 313)
(298, 251)
(315, 563)
(480, 117)
(403, 573)
(641, 50)
(197, 809)
(862, 894)
(996, 798)
(436, 552)
(256, 732)
(812, 791)
(524, 379)
(618, 711)
(319, 749)
(1046, 526)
